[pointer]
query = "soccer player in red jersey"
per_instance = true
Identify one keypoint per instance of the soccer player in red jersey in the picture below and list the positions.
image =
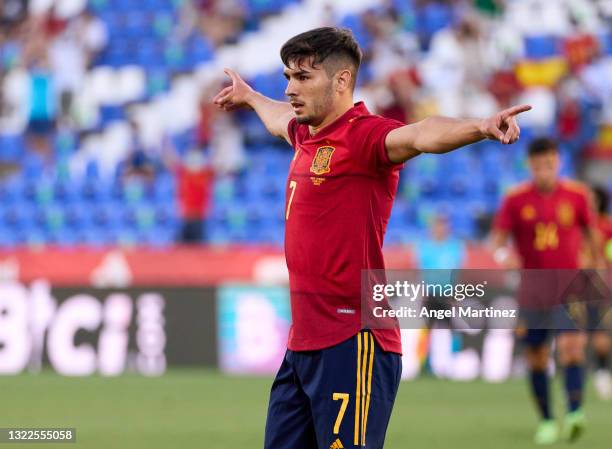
(547, 218)
(338, 381)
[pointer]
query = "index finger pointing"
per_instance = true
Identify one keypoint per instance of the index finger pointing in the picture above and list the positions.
(515, 110)
(231, 74)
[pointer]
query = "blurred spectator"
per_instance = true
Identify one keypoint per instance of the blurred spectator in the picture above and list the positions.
(43, 106)
(440, 250)
(92, 33)
(12, 12)
(456, 70)
(194, 179)
(227, 145)
(71, 53)
(596, 80)
(207, 114)
(140, 163)
(220, 21)
(569, 117)
(437, 256)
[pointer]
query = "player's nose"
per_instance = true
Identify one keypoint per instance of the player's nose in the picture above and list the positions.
(290, 90)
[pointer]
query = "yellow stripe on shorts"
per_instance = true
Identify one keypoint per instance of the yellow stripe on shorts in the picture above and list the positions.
(358, 390)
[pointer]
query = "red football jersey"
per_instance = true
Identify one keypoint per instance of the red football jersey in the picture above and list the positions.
(547, 227)
(340, 191)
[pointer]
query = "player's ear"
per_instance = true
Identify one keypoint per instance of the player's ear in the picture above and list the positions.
(344, 80)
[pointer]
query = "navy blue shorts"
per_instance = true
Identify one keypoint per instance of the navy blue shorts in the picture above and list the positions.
(334, 398)
(539, 337)
(538, 327)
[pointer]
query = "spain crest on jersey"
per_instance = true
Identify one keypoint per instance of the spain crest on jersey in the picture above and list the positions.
(528, 212)
(322, 160)
(565, 214)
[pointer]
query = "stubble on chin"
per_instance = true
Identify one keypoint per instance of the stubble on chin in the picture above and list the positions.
(303, 120)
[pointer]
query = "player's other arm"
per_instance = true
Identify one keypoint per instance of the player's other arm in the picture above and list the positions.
(593, 243)
(442, 134)
(502, 252)
(275, 115)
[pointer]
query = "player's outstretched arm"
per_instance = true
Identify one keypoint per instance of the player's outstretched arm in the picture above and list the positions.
(441, 134)
(275, 115)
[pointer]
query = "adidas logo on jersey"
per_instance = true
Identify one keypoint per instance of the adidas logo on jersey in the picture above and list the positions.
(336, 444)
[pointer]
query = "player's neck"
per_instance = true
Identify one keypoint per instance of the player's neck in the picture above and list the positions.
(547, 188)
(341, 108)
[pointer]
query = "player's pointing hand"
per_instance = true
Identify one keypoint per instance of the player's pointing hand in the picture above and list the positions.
(234, 96)
(502, 126)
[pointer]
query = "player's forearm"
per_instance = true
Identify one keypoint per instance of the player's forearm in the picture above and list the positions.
(442, 134)
(499, 247)
(275, 115)
(499, 239)
(593, 240)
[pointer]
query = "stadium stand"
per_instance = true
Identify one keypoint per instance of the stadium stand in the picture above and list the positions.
(90, 112)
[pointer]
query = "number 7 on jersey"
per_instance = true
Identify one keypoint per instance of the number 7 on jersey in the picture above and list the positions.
(292, 186)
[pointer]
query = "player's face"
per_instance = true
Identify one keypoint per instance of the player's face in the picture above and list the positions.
(310, 92)
(545, 169)
(439, 229)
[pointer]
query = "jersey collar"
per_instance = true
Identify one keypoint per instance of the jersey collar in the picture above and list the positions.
(357, 110)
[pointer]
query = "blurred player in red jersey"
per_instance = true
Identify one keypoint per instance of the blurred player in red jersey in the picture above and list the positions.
(337, 384)
(602, 344)
(547, 218)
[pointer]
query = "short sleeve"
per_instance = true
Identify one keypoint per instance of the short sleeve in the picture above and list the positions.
(368, 139)
(504, 218)
(292, 128)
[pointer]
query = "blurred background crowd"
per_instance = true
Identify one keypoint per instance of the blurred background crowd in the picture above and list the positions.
(108, 135)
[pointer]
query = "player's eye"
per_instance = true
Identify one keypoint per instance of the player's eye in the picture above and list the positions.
(302, 77)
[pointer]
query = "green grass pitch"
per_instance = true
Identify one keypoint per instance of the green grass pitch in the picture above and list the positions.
(189, 409)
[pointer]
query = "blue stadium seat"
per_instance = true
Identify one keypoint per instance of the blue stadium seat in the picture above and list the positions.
(149, 53)
(109, 213)
(270, 84)
(79, 215)
(126, 5)
(431, 18)
(606, 43)
(138, 23)
(12, 189)
(8, 237)
(199, 49)
(11, 148)
(114, 20)
(22, 216)
(158, 5)
(96, 236)
(111, 113)
(67, 192)
(219, 235)
(356, 25)
(157, 237)
(61, 237)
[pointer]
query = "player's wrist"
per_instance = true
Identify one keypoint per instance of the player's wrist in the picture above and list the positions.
(501, 256)
(250, 98)
(482, 125)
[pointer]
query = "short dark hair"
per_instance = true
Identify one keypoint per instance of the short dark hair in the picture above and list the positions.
(602, 199)
(542, 145)
(321, 44)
